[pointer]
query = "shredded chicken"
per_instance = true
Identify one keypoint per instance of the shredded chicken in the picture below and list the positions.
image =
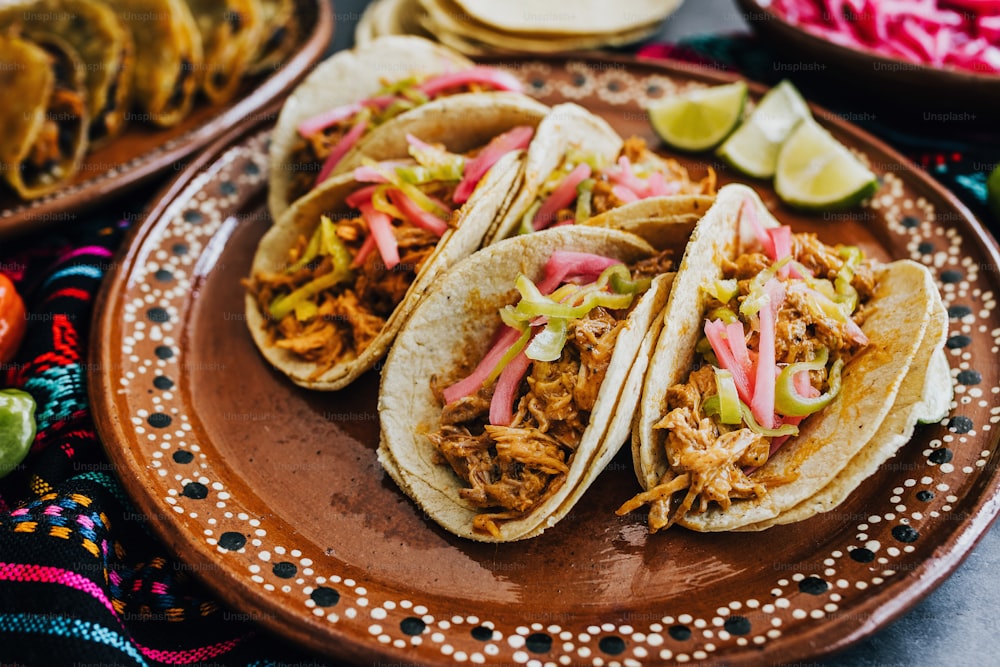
(712, 464)
(351, 314)
(509, 470)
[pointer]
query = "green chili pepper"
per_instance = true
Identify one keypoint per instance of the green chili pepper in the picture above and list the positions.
(790, 402)
(17, 428)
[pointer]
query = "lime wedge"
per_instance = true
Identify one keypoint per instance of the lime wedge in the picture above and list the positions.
(815, 171)
(753, 148)
(993, 191)
(699, 118)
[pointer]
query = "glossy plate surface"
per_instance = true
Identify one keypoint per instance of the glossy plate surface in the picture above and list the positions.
(275, 495)
(143, 151)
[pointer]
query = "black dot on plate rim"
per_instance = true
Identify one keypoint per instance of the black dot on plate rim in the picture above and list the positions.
(284, 570)
(957, 341)
(925, 248)
(538, 84)
(193, 216)
(958, 312)
(195, 491)
(163, 382)
(939, 456)
(813, 586)
(411, 625)
(228, 188)
(538, 642)
(905, 533)
(612, 645)
(163, 351)
(481, 633)
(951, 276)
(614, 86)
(183, 456)
(925, 495)
(159, 420)
(910, 222)
(157, 314)
(737, 625)
(251, 168)
(324, 596)
(862, 555)
(679, 632)
(579, 79)
(969, 376)
(163, 276)
(960, 424)
(232, 541)
(179, 249)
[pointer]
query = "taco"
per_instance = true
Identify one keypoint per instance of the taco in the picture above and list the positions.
(230, 32)
(578, 168)
(168, 57)
(355, 91)
(497, 411)
(103, 44)
(779, 361)
(44, 114)
(280, 32)
(341, 270)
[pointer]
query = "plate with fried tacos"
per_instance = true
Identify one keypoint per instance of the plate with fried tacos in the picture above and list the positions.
(112, 93)
(506, 467)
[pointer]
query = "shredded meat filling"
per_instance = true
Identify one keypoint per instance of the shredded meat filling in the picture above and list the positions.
(509, 470)
(349, 315)
(712, 464)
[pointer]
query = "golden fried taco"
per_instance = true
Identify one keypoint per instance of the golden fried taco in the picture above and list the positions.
(578, 168)
(514, 382)
(779, 363)
(103, 44)
(341, 270)
(231, 33)
(43, 116)
(280, 32)
(168, 58)
(353, 92)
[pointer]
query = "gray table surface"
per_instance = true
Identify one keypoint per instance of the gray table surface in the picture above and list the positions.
(956, 624)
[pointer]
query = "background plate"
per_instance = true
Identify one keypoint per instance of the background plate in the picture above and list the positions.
(143, 151)
(888, 79)
(274, 496)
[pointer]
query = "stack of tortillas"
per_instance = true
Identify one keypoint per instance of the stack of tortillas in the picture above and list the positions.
(510, 26)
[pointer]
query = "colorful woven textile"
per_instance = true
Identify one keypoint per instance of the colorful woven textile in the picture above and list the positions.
(82, 579)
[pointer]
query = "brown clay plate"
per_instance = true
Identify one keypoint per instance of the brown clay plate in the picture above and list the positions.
(143, 152)
(879, 76)
(273, 494)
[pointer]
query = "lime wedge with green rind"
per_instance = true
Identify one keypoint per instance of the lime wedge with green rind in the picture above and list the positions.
(753, 148)
(699, 119)
(815, 171)
(993, 191)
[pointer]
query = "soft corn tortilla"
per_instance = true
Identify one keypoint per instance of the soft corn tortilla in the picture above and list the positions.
(898, 318)
(584, 17)
(465, 127)
(924, 396)
(451, 329)
(347, 77)
(569, 127)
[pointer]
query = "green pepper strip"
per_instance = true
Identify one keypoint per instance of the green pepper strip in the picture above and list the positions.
(723, 290)
(380, 202)
(584, 199)
(509, 354)
(758, 298)
(17, 428)
(527, 220)
(729, 399)
(283, 305)
(788, 401)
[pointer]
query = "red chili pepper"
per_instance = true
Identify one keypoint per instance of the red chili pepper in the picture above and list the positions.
(12, 319)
